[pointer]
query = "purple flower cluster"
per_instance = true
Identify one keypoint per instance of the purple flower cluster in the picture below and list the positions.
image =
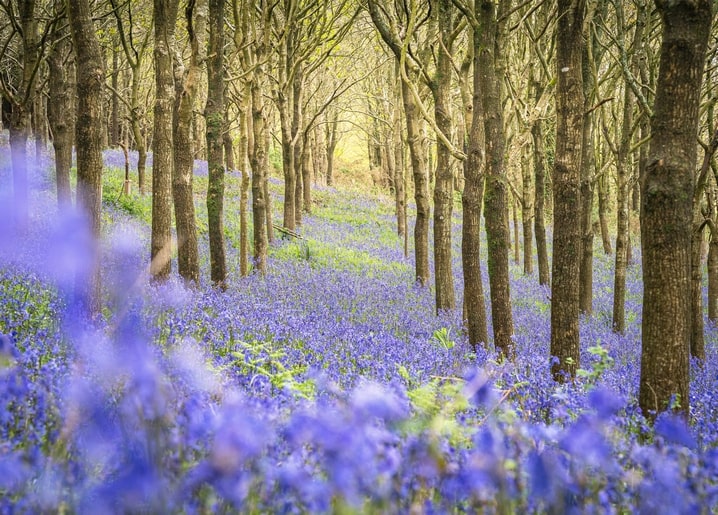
(318, 388)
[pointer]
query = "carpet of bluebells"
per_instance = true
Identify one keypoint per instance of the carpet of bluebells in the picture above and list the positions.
(327, 386)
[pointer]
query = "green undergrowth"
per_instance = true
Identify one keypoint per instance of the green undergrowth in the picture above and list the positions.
(322, 255)
(134, 204)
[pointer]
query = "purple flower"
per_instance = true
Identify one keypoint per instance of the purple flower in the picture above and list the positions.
(673, 429)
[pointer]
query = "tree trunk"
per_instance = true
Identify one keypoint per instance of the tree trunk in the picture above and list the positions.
(115, 109)
(89, 127)
(245, 127)
(39, 115)
(20, 111)
(165, 15)
(421, 186)
(585, 301)
(666, 208)
(444, 185)
(306, 177)
(471, 199)
(61, 106)
(182, 178)
(623, 176)
(603, 194)
(697, 341)
(713, 278)
(331, 146)
(283, 105)
(398, 147)
(517, 238)
(567, 195)
(539, 162)
(258, 148)
(214, 115)
(496, 209)
(269, 224)
(527, 214)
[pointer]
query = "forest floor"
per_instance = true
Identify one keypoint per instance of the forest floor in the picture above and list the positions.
(329, 385)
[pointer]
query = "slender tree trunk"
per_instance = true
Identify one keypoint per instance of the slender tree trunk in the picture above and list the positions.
(471, 202)
(444, 185)
(421, 186)
(306, 177)
(585, 300)
(19, 125)
(517, 237)
(39, 116)
(713, 278)
(332, 127)
(527, 214)
(90, 83)
(214, 114)
(603, 195)
(298, 183)
(623, 173)
(186, 84)
(283, 105)
(269, 224)
(61, 106)
(245, 127)
(666, 208)
(258, 149)
(697, 341)
(398, 148)
(539, 163)
(496, 208)
(115, 113)
(165, 15)
(567, 195)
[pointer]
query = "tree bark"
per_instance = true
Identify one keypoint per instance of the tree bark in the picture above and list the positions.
(623, 176)
(332, 140)
(603, 194)
(444, 185)
(214, 115)
(186, 84)
(496, 209)
(89, 127)
(471, 202)
(666, 208)
(258, 146)
(398, 148)
(585, 300)
(567, 194)
(527, 214)
(20, 103)
(61, 106)
(713, 278)
(245, 127)
(539, 163)
(165, 15)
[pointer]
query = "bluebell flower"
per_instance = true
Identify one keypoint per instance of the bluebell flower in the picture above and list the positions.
(674, 430)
